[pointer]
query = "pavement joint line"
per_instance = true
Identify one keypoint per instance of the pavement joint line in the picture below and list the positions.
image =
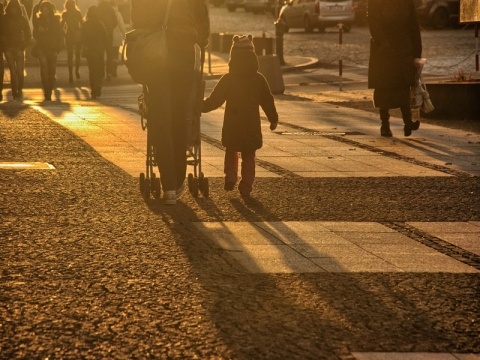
(436, 243)
(390, 154)
(262, 163)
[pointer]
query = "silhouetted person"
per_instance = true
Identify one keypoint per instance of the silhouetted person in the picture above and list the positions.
(109, 18)
(2, 63)
(169, 92)
(95, 41)
(17, 35)
(48, 35)
(118, 36)
(72, 24)
(395, 44)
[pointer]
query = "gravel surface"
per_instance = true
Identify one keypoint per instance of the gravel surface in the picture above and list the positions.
(90, 270)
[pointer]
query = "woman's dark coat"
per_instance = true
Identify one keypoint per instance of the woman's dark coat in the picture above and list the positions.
(95, 39)
(48, 34)
(244, 90)
(395, 43)
(16, 32)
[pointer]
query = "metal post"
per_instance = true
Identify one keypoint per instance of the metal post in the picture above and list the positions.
(340, 61)
(209, 61)
(279, 31)
(477, 63)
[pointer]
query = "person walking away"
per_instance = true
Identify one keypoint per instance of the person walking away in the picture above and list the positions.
(118, 36)
(394, 47)
(35, 11)
(95, 41)
(48, 35)
(72, 24)
(109, 19)
(244, 90)
(16, 37)
(2, 63)
(170, 91)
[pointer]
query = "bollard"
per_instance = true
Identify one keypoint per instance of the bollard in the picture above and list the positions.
(340, 59)
(279, 31)
(263, 45)
(269, 66)
(225, 42)
(214, 43)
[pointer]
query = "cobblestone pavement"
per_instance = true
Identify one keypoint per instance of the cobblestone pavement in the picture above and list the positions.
(89, 270)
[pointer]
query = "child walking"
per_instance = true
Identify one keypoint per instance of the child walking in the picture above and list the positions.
(244, 90)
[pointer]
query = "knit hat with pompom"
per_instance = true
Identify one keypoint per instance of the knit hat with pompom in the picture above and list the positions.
(242, 55)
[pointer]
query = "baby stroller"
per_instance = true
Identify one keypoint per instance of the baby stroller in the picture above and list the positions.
(197, 182)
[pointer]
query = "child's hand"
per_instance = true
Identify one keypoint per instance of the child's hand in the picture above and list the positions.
(273, 126)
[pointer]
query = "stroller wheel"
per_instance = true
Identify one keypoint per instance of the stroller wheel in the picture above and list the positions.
(156, 188)
(204, 188)
(194, 189)
(146, 189)
(142, 182)
(190, 181)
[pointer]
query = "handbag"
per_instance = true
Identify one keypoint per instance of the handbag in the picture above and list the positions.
(427, 105)
(145, 51)
(420, 98)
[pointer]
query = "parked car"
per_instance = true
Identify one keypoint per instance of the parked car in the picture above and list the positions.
(259, 6)
(217, 3)
(438, 13)
(233, 5)
(311, 14)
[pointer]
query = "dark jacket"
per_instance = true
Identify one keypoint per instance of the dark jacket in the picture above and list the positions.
(94, 37)
(188, 22)
(72, 23)
(16, 32)
(395, 43)
(48, 34)
(108, 16)
(244, 90)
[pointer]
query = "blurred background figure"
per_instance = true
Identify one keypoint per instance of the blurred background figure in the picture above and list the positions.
(118, 36)
(95, 41)
(2, 63)
(16, 36)
(72, 27)
(109, 18)
(394, 46)
(48, 35)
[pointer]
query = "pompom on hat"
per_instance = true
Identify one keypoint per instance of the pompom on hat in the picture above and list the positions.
(242, 43)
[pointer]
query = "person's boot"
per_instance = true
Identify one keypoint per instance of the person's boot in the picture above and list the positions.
(385, 128)
(409, 125)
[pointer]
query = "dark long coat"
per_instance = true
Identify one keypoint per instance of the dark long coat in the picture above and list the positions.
(395, 43)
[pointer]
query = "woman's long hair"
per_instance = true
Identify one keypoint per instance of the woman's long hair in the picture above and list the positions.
(13, 8)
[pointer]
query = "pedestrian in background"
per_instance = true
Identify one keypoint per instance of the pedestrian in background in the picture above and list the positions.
(48, 36)
(109, 18)
(394, 47)
(72, 27)
(95, 41)
(16, 37)
(244, 90)
(118, 36)
(170, 90)
(2, 63)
